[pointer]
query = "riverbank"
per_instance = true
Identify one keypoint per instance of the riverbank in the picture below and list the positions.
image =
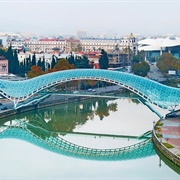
(166, 137)
(46, 103)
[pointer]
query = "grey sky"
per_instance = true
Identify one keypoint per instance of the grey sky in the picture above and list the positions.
(95, 17)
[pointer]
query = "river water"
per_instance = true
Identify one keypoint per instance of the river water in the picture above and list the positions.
(95, 123)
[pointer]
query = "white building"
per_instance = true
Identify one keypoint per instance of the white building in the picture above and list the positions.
(47, 57)
(96, 44)
(109, 44)
(68, 45)
(45, 45)
(155, 47)
(129, 42)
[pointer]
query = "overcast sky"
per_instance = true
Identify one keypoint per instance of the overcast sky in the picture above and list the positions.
(96, 17)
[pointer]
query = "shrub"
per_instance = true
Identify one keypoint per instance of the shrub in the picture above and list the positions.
(168, 145)
(159, 135)
(159, 123)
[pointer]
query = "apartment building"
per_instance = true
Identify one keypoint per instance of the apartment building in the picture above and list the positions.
(96, 44)
(118, 59)
(71, 45)
(109, 45)
(45, 45)
(48, 45)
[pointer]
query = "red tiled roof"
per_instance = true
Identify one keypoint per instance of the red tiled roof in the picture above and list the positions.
(80, 52)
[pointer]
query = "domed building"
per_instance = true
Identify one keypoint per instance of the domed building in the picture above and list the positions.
(154, 48)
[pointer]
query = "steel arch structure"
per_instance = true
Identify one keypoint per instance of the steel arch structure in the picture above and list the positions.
(153, 92)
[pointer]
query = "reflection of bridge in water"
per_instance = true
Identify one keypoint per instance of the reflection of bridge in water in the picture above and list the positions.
(53, 142)
(152, 92)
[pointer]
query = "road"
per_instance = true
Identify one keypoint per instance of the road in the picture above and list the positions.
(155, 74)
(10, 105)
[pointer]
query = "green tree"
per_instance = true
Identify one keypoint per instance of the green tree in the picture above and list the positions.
(103, 60)
(39, 63)
(34, 60)
(81, 62)
(139, 57)
(2, 51)
(167, 62)
(16, 69)
(141, 68)
(85, 61)
(53, 62)
(28, 64)
(63, 64)
(71, 59)
(9, 56)
(129, 53)
(43, 64)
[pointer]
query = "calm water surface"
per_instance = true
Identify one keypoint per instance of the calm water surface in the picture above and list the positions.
(24, 160)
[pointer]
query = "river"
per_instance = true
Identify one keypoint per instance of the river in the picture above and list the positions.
(96, 123)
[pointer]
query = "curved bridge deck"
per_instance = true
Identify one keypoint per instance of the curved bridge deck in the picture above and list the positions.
(151, 91)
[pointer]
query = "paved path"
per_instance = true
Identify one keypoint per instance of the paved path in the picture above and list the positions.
(170, 130)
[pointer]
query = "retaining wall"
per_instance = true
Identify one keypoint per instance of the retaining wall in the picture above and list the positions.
(11, 112)
(165, 151)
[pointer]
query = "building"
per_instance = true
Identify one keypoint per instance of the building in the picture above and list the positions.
(45, 45)
(109, 44)
(96, 44)
(129, 42)
(48, 45)
(118, 59)
(39, 56)
(3, 65)
(71, 45)
(17, 44)
(154, 48)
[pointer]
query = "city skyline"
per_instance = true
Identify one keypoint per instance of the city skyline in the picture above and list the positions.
(114, 17)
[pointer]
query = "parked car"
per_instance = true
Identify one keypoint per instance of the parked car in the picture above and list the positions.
(3, 108)
(75, 92)
(89, 90)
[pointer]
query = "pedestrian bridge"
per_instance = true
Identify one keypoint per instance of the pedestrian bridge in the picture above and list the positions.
(53, 142)
(152, 92)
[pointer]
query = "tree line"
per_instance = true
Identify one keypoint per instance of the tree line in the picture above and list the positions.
(33, 67)
(31, 64)
(20, 68)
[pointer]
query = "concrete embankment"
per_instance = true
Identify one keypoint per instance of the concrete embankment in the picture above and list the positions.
(165, 151)
(166, 137)
(43, 104)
